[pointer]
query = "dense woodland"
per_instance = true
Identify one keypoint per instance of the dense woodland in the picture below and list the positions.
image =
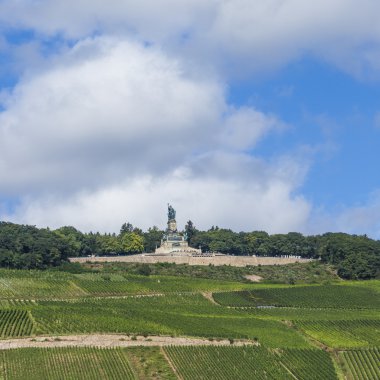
(28, 247)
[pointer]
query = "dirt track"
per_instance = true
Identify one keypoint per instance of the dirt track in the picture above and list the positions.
(100, 340)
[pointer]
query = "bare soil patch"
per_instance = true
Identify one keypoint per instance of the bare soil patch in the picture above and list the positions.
(253, 278)
(208, 295)
(110, 340)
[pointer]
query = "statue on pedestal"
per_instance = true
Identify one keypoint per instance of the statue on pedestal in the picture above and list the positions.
(171, 212)
(174, 242)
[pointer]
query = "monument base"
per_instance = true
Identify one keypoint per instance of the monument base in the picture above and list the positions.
(178, 247)
(174, 242)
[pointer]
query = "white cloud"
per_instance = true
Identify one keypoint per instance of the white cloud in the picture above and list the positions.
(241, 35)
(362, 218)
(241, 204)
(112, 130)
(245, 126)
(105, 109)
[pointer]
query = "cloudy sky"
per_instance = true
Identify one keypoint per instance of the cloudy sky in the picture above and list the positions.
(246, 114)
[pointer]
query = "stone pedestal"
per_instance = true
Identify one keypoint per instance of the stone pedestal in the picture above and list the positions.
(174, 242)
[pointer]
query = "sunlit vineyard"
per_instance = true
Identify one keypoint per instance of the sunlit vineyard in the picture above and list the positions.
(362, 364)
(64, 363)
(343, 333)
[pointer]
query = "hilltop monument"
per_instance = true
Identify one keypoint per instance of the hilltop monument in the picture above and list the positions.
(174, 243)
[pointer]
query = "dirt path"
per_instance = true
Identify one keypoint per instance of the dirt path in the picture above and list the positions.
(208, 295)
(114, 341)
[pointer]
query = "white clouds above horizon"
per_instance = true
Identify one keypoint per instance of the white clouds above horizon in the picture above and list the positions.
(79, 139)
(131, 110)
(236, 35)
(209, 201)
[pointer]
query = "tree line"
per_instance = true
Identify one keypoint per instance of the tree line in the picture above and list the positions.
(355, 257)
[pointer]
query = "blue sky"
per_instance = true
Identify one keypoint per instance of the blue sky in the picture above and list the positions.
(324, 106)
(265, 117)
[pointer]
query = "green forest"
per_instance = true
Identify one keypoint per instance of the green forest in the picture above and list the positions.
(29, 247)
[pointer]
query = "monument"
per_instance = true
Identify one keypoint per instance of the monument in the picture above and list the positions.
(175, 243)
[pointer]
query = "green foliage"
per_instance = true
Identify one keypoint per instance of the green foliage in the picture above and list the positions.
(71, 267)
(131, 243)
(356, 257)
(65, 363)
(126, 228)
(152, 239)
(144, 270)
(361, 364)
(27, 247)
(190, 230)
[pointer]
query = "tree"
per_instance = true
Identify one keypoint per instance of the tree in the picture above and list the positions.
(190, 230)
(126, 227)
(152, 239)
(132, 243)
(109, 244)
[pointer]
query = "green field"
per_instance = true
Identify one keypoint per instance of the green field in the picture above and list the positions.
(289, 322)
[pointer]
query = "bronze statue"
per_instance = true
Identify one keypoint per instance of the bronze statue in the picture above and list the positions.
(171, 212)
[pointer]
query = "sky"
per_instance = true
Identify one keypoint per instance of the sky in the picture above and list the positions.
(244, 114)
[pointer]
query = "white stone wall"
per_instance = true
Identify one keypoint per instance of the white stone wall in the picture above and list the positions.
(239, 261)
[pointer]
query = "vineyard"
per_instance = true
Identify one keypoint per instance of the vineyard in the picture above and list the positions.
(64, 363)
(251, 363)
(225, 363)
(362, 364)
(29, 285)
(343, 333)
(327, 296)
(288, 323)
(308, 364)
(15, 323)
(164, 315)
